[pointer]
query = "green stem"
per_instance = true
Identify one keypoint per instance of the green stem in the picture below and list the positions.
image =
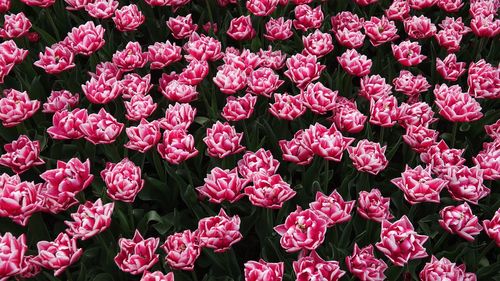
(327, 176)
(210, 16)
(440, 241)
(269, 217)
(382, 132)
(488, 248)
(454, 134)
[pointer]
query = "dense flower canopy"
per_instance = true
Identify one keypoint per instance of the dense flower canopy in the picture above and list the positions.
(259, 140)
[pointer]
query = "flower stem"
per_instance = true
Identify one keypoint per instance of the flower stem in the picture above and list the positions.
(454, 134)
(327, 176)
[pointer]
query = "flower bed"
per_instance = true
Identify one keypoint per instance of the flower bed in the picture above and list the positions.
(250, 140)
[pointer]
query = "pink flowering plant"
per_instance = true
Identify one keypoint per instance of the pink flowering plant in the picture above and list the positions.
(256, 140)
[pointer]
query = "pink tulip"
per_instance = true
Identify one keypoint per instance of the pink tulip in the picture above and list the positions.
(419, 27)
(421, 4)
(307, 18)
(384, 112)
(139, 107)
(466, 184)
(157, 276)
(239, 108)
(444, 268)
(449, 68)
(13, 252)
(230, 79)
(303, 229)
(416, 114)
(56, 59)
(223, 140)
(90, 219)
(347, 20)
(161, 55)
(273, 59)
(368, 157)
(318, 43)
(123, 180)
(241, 29)
(178, 116)
(269, 191)
(487, 160)
(101, 89)
(380, 30)
(349, 119)
(262, 8)
(223, 185)
(482, 78)
(259, 162)
(295, 150)
(128, 18)
(318, 98)
(303, 69)
(59, 254)
(456, 106)
(18, 199)
(278, 29)
(332, 207)
(201, 47)
(101, 128)
(408, 53)
(492, 227)
(101, 9)
(364, 265)
(63, 183)
(182, 249)
(374, 87)
(21, 154)
(330, 143)
(263, 271)
(420, 138)
(354, 63)
(181, 27)
(287, 107)
(131, 57)
(60, 100)
(86, 38)
(400, 242)
(313, 267)
(349, 38)
(194, 73)
(419, 186)
(15, 107)
(461, 221)
(14, 26)
(372, 206)
(137, 254)
(398, 10)
(264, 81)
(143, 136)
(133, 84)
(219, 232)
(409, 84)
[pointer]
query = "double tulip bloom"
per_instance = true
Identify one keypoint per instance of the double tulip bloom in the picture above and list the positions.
(137, 254)
(219, 232)
(123, 180)
(302, 230)
(400, 243)
(21, 154)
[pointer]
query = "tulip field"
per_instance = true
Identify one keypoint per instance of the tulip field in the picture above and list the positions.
(256, 140)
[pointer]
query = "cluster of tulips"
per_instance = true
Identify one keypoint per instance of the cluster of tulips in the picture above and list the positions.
(388, 83)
